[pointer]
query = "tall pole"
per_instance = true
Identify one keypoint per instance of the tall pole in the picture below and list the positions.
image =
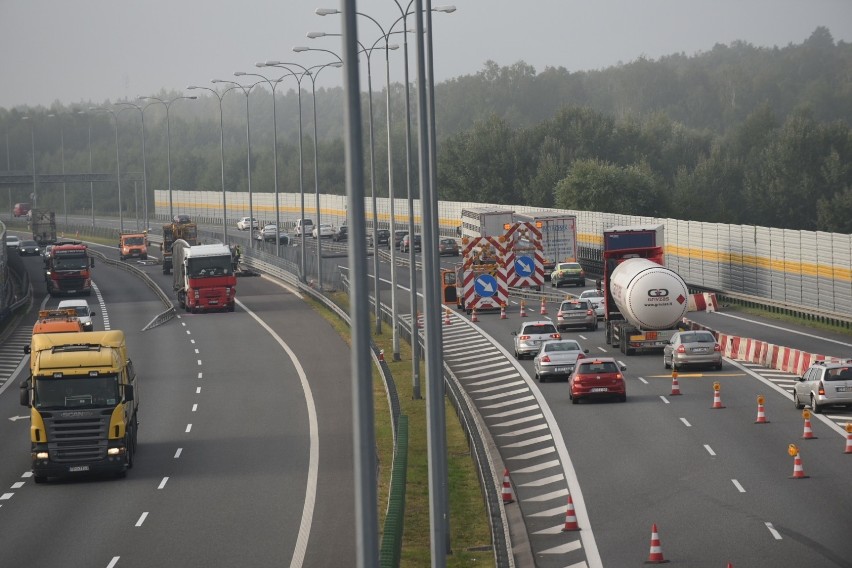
(391, 193)
(91, 183)
(62, 154)
(144, 163)
(117, 166)
(32, 141)
(366, 525)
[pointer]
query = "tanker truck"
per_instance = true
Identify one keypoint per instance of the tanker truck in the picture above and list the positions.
(645, 301)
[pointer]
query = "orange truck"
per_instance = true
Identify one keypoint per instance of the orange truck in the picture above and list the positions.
(133, 245)
(57, 321)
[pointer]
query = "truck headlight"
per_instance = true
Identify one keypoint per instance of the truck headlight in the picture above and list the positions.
(113, 451)
(41, 455)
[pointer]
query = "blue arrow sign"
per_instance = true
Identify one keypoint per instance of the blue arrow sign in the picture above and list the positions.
(485, 285)
(524, 266)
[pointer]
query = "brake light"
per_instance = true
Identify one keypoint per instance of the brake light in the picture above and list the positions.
(681, 349)
(821, 389)
(524, 337)
(717, 347)
(555, 336)
(545, 359)
(588, 312)
(581, 356)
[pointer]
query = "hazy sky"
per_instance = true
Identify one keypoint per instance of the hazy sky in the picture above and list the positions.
(98, 50)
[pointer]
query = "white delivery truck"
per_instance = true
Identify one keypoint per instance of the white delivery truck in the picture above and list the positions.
(558, 237)
(485, 221)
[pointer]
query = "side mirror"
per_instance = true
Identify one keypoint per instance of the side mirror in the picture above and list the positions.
(92, 262)
(24, 393)
(623, 367)
(93, 314)
(514, 333)
(27, 349)
(128, 393)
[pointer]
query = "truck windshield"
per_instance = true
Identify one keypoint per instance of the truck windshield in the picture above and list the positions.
(205, 267)
(75, 392)
(71, 262)
(134, 240)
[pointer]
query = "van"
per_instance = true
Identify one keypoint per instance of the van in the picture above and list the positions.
(21, 209)
(305, 226)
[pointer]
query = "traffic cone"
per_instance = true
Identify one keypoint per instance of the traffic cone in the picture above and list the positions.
(656, 555)
(848, 438)
(543, 310)
(381, 355)
(508, 494)
(808, 433)
(675, 384)
(523, 313)
(473, 317)
(447, 320)
(717, 396)
(798, 470)
(761, 415)
(570, 518)
(503, 312)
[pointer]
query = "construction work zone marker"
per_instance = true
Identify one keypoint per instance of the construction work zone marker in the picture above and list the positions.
(717, 397)
(656, 554)
(447, 320)
(503, 312)
(570, 517)
(543, 309)
(808, 433)
(473, 316)
(798, 470)
(848, 438)
(675, 384)
(523, 313)
(508, 495)
(761, 414)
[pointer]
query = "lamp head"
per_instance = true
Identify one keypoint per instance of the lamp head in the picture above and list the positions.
(314, 35)
(327, 11)
(239, 73)
(445, 9)
(301, 48)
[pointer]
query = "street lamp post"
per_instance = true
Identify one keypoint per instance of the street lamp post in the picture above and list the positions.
(220, 96)
(246, 91)
(144, 159)
(62, 154)
(272, 85)
(32, 141)
(168, 104)
(117, 164)
(91, 182)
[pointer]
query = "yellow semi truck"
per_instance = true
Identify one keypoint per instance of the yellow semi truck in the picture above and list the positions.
(84, 400)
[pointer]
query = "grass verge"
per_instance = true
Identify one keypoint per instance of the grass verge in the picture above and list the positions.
(470, 537)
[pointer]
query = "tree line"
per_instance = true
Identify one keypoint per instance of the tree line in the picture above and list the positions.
(739, 134)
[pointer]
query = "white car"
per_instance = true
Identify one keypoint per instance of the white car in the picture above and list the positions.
(246, 223)
(84, 313)
(324, 230)
(305, 226)
(13, 241)
(597, 299)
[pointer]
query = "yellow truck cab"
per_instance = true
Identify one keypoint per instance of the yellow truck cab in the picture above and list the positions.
(83, 401)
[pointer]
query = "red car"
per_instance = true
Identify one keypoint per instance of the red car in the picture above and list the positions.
(597, 378)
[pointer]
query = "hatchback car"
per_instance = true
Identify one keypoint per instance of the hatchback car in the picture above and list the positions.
(556, 359)
(824, 384)
(397, 237)
(267, 234)
(29, 248)
(323, 231)
(576, 313)
(597, 378)
(246, 223)
(568, 273)
(382, 235)
(13, 241)
(596, 297)
(447, 246)
(181, 218)
(342, 234)
(406, 243)
(696, 347)
(532, 334)
(84, 312)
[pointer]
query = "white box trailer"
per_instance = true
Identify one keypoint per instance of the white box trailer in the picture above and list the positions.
(558, 237)
(485, 221)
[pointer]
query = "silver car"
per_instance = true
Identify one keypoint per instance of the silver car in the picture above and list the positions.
(596, 297)
(576, 313)
(532, 334)
(697, 347)
(556, 359)
(824, 384)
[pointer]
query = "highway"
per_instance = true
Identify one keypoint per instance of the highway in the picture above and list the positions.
(244, 453)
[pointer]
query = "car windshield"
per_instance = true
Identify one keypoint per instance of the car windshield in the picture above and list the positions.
(599, 367)
(75, 392)
(134, 240)
(539, 329)
(562, 346)
(697, 338)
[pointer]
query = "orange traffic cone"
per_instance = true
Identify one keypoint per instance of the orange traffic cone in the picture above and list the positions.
(848, 438)
(717, 396)
(381, 355)
(543, 310)
(675, 384)
(808, 433)
(656, 555)
(798, 470)
(570, 517)
(523, 313)
(503, 312)
(761, 415)
(508, 494)
(447, 320)
(473, 317)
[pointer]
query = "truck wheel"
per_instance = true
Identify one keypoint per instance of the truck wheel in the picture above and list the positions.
(231, 307)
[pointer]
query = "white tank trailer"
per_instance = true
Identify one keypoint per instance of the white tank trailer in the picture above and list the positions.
(652, 299)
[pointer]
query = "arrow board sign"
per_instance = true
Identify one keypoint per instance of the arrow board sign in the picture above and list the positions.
(485, 285)
(524, 266)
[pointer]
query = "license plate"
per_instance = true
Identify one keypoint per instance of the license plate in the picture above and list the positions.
(700, 350)
(562, 369)
(842, 389)
(213, 302)
(599, 389)
(75, 468)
